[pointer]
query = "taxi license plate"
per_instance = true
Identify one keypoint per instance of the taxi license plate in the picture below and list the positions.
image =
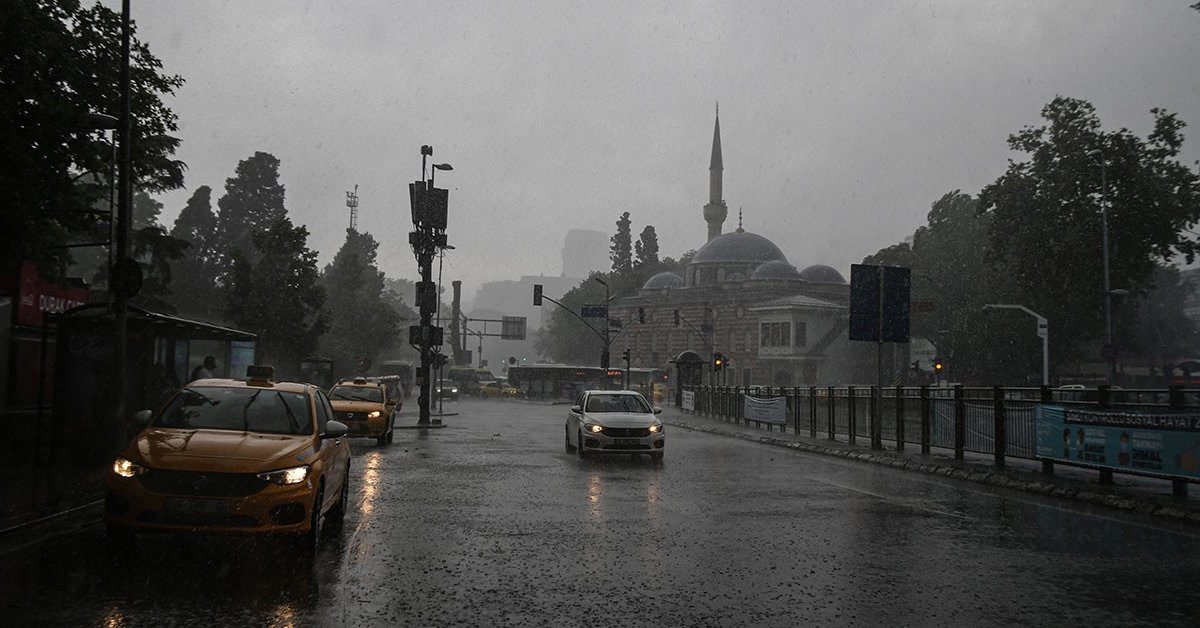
(627, 441)
(208, 506)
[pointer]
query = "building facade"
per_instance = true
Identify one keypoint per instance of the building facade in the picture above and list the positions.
(741, 297)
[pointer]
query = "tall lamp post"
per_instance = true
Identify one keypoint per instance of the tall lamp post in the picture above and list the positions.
(1110, 350)
(1043, 330)
(429, 209)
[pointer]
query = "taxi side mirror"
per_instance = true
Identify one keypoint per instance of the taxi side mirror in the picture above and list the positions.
(142, 417)
(576, 409)
(657, 410)
(335, 429)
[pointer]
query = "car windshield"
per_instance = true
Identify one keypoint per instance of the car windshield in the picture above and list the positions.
(617, 403)
(241, 409)
(356, 393)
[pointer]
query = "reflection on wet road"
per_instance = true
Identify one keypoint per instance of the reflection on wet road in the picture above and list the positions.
(491, 522)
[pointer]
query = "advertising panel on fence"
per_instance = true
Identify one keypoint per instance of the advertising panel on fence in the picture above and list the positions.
(689, 400)
(1143, 441)
(770, 410)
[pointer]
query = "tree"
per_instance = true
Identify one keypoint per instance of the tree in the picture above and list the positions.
(1056, 196)
(647, 247)
(363, 319)
(277, 294)
(621, 251)
(60, 62)
(253, 200)
(196, 293)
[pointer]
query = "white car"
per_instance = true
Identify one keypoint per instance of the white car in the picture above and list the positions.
(614, 422)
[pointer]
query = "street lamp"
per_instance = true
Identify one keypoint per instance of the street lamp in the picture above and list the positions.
(604, 355)
(1043, 331)
(1110, 351)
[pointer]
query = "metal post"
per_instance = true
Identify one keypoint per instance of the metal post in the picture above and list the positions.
(812, 411)
(1108, 327)
(853, 415)
(960, 422)
(1046, 397)
(899, 419)
(124, 199)
(999, 442)
(832, 417)
(925, 411)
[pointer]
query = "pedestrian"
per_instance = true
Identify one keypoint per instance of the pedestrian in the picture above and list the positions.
(205, 370)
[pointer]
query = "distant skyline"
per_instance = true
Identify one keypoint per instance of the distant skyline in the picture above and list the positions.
(841, 121)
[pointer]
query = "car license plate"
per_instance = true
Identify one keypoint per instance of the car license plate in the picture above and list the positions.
(627, 441)
(181, 504)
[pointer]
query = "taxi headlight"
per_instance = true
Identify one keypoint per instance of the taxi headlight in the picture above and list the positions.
(374, 414)
(127, 468)
(595, 429)
(294, 475)
(656, 429)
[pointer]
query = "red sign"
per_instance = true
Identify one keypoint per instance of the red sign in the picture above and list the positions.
(38, 297)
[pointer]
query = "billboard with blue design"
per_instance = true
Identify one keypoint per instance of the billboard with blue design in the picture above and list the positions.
(1158, 442)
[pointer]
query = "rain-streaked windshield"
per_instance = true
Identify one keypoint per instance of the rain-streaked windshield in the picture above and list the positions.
(356, 393)
(616, 403)
(242, 409)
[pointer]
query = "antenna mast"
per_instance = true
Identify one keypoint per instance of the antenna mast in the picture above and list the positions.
(352, 203)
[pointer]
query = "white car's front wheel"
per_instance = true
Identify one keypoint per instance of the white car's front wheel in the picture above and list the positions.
(567, 437)
(582, 452)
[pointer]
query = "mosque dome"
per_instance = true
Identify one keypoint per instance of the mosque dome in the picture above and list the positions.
(776, 269)
(663, 280)
(820, 273)
(739, 247)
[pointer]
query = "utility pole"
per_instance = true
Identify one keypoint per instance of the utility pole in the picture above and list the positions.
(352, 203)
(429, 208)
(119, 274)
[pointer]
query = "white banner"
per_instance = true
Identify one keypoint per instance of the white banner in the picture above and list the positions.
(771, 410)
(689, 400)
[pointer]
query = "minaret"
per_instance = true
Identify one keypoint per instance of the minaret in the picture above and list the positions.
(715, 211)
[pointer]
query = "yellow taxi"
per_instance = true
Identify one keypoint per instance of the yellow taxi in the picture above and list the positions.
(496, 390)
(224, 455)
(366, 407)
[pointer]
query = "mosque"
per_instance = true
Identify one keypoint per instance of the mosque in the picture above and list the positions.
(741, 297)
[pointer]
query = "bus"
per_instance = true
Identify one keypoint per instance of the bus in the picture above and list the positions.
(402, 369)
(565, 381)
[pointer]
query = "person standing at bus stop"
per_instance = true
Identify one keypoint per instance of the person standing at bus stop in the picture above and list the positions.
(206, 370)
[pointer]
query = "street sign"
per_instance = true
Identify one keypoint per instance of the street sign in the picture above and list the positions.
(512, 328)
(879, 303)
(595, 311)
(417, 334)
(427, 296)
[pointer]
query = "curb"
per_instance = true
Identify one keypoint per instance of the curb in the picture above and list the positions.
(979, 476)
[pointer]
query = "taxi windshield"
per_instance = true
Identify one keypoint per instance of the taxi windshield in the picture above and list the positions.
(617, 403)
(241, 409)
(356, 393)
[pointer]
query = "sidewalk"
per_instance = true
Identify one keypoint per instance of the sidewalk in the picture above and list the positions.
(1127, 492)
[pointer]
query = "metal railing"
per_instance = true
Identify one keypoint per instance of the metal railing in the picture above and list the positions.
(996, 421)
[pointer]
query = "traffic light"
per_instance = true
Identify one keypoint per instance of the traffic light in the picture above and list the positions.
(626, 356)
(677, 318)
(604, 359)
(938, 365)
(641, 314)
(718, 361)
(537, 294)
(439, 360)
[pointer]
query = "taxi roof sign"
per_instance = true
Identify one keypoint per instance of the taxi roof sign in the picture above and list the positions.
(260, 372)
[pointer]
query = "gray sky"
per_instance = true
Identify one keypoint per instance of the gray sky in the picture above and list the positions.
(841, 121)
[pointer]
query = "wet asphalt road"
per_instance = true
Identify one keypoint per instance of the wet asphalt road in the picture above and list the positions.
(490, 522)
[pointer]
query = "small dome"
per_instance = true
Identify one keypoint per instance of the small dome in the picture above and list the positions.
(739, 246)
(776, 270)
(820, 273)
(662, 281)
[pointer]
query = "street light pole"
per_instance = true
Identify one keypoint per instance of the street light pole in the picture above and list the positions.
(1110, 350)
(605, 356)
(1043, 330)
(124, 192)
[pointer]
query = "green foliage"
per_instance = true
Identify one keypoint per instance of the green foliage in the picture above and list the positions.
(646, 247)
(60, 61)
(156, 252)
(196, 293)
(1046, 215)
(253, 200)
(277, 294)
(364, 319)
(621, 250)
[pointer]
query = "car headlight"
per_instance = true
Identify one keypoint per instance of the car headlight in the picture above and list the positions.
(453, 390)
(127, 468)
(294, 475)
(373, 414)
(656, 428)
(595, 429)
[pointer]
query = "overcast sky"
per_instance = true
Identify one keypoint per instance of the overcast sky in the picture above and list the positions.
(841, 121)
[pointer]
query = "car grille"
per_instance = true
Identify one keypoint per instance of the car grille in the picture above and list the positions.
(200, 519)
(203, 484)
(626, 432)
